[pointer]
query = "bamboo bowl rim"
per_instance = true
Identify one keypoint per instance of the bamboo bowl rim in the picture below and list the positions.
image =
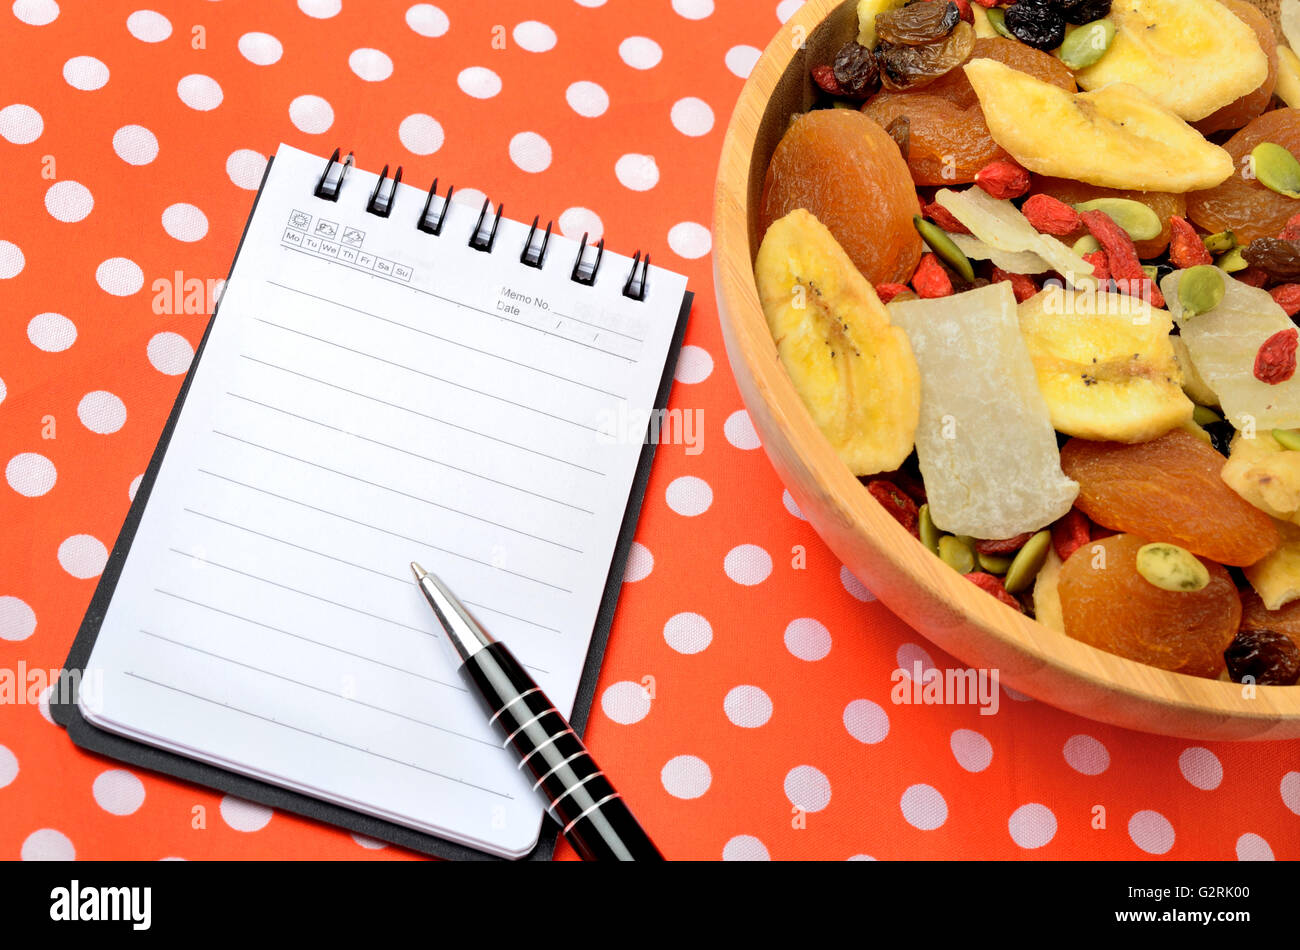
(942, 605)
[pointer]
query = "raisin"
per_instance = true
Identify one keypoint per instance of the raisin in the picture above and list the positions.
(856, 71)
(1272, 659)
(1079, 12)
(909, 67)
(917, 24)
(1278, 258)
(1221, 436)
(900, 130)
(1036, 23)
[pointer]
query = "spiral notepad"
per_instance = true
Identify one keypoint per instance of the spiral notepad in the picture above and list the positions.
(390, 376)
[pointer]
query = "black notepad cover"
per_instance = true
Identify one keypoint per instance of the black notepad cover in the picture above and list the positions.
(63, 704)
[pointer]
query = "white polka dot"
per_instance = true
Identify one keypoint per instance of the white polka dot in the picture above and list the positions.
(245, 816)
(149, 26)
(17, 620)
(694, 364)
(692, 116)
(587, 98)
(83, 556)
(30, 474)
(1251, 847)
(170, 353)
(118, 792)
(640, 562)
(637, 172)
(640, 52)
(923, 807)
(909, 654)
(245, 167)
(119, 276)
(1032, 825)
(1290, 789)
(787, 8)
(856, 588)
(101, 412)
(372, 65)
(8, 766)
(690, 240)
(20, 124)
(1201, 768)
(689, 495)
(311, 114)
(530, 152)
(747, 706)
(421, 134)
(479, 82)
(68, 201)
(748, 564)
(1151, 831)
(860, 857)
(590, 3)
(1016, 695)
(739, 430)
(575, 222)
(741, 59)
(3, 390)
(260, 49)
(534, 36)
(85, 73)
(370, 844)
(185, 222)
(134, 487)
(1086, 755)
(807, 639)
(807, 788)
(427, 20)
(36, 12)
(48, 845)
(51, 332)
(686, 776)
(135, 145)
(866, 721)
(688, 633)
(43, 704)
(693, 9)
(744, 847)
(320, 9)
(12, 260)
(625, 702)
(792, 506)
(972, 751)
(469, 197)
(201, 92)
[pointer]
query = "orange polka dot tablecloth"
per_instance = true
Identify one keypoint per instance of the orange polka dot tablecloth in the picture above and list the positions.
(745, 704)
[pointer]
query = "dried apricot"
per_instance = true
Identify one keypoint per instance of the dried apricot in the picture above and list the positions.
(1241, 204)
(1164, 205)
(847, 171)
(1169, 490)
(1255, 616)
(1105, 602)
(1236, 114)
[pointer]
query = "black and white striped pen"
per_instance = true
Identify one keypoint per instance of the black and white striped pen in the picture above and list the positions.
(591, 814)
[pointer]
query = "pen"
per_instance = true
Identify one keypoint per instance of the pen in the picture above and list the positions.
(591, 814)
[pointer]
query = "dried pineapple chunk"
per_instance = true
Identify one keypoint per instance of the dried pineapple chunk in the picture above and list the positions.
(1116, 137)
(1197, 389)
(1191, 56)
(854, 371)
(1047, 593)
(1105, 365)
(1277, 578)
(1000, 225)
(1265, 474)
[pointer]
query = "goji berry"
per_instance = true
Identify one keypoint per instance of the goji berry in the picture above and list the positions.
(1276, 360)
(1050, 215)
(1071, 533)
(944, 218)
(895, 501)
(1292, 230)
(1022, 285)
(908, 483)
(1003, 179)
(887, 292)
(1254, 276)
(992, 585)
(1100, 267)
(1186, 249)
(824, 76)
(1007, 546)
(1121, 255)
(1287, 297)
(930, 279)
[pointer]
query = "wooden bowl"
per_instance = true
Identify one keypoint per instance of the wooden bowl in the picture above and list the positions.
(913, 583)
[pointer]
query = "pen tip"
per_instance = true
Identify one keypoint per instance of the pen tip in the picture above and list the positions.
(418, 571)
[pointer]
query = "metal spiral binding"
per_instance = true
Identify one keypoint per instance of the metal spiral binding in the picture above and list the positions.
(587, 276)
(381, 201)
(329, 186)
(634, 286)
(475, 239)
(435, 227)
(530, 259)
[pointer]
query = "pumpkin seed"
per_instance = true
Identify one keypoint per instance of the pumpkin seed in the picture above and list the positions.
(1170, 567)
(1277, 169)
(929, 533)
(1152, 272)
(1232, 262)
(1205, 416)
(998, 20)
(1287, 438)
(1201, 289)
(1087, 44)
(1028, 562)
(1141, 223)
(993, 564)
(1086, 245)
(1220, 243)
(943, 245)
(957, 554)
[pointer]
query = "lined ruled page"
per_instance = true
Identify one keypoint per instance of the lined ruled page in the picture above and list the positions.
(371, 395)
